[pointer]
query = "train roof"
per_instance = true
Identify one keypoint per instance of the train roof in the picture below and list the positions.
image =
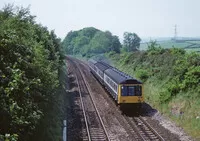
(120, 77)
(102, 66)
(116, 75)
(92, 61)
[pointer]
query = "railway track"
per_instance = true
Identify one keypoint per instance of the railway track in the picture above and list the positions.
(144, 130)
(94, 127)
(140, 129)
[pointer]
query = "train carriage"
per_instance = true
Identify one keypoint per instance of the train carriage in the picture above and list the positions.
(123, 88)
(92, 63)
(100, 71)
(98, 68)
(129, 90)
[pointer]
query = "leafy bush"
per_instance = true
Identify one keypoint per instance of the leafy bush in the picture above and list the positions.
(164, 96)
(177, 51)
(30, 58)
(142, 74)
(154, 48)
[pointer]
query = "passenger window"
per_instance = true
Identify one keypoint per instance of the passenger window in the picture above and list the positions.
(115, 87)
(131, 91)
(138, 90)
(124, 91)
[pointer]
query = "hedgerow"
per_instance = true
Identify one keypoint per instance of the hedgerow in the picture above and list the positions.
(30, 57)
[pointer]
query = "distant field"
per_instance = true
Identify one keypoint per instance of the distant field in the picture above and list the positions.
(187, 45)
(196, 42)
(193, 49)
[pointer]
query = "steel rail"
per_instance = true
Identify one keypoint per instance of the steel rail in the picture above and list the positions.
(92, 100)
(134, 127)
(82, 105)
(151, 128)
(89, 90)
(131, 123)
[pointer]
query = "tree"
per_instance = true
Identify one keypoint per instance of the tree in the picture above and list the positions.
(131, 41)
(99, 43)
(79, 43)
(29, 65)
(67, 43)
(115, 44)
(89, 41)
(88, 32)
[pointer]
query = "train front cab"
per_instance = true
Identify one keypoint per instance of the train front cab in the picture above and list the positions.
(130, 96)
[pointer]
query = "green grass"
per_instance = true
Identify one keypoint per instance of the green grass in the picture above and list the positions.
(170, 44)
(192, 49)
(193, 42)
(189, 120)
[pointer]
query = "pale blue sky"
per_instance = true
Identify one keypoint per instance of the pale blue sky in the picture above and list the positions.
(147, 18)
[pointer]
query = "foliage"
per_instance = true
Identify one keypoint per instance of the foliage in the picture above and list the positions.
(131, 41)
(177, 51)
(142, 74)
(30, 57)
(187, 71)
(154, 48)
(171, 81)
(180, 69)
(90, 41)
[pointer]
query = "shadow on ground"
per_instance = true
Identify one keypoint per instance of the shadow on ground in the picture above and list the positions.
(135, 110)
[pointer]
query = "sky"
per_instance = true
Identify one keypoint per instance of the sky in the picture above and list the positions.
(147, 18)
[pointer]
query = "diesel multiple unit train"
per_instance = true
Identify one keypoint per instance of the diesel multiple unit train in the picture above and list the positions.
(123, 88)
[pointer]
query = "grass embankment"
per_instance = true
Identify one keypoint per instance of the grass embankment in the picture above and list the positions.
(171, 80)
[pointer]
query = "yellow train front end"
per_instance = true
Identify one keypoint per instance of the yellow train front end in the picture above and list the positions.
(130, 94)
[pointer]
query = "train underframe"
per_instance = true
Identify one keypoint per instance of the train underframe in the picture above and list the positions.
(132, 107)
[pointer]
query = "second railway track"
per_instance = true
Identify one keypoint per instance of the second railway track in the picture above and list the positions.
(143, 129)
(94, 126)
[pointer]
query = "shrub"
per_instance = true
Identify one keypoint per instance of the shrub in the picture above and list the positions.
(142, 74)
(154, 48)
(30, 58)
(164, 96)
(177, 51)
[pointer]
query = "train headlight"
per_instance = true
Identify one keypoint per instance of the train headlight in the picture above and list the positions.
(139, 99)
